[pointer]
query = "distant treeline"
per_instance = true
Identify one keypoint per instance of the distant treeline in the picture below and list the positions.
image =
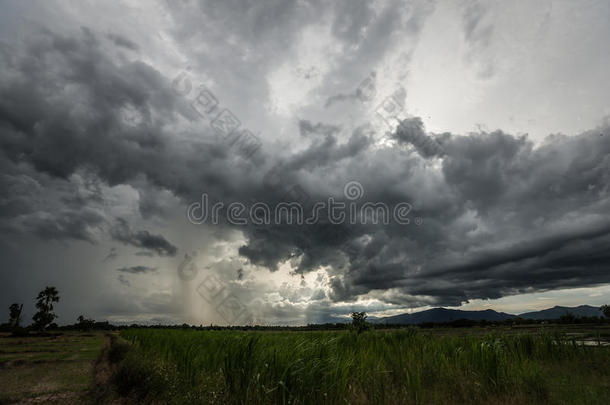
(467, 323)
(44, 321)
(88, 324)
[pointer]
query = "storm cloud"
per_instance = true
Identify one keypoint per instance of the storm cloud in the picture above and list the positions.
(137, 269)
(98, 146)
(142, 239)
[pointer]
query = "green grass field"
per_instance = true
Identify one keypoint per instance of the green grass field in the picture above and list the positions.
(376, 367)
(524, 365)
(50, 369)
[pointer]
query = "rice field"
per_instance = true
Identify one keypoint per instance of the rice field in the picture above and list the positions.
(57, 368)
(376, 367)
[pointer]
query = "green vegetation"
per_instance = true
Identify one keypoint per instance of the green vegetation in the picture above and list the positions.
(44, 304)
(14, 319)
(376, 367)
(459, 362)
(85, 324)
(359, 323)
(57, 368)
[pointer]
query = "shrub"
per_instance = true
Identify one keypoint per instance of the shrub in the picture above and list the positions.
(118, 350)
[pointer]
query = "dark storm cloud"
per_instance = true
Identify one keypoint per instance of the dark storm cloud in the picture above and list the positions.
(77, 69)
(41, 127)
(64, 225)
(50, 208)
(500, 214)
(411, 131)
(137, 269)
(96, 134)
(142, 239)
(327, 151)
(500, 217)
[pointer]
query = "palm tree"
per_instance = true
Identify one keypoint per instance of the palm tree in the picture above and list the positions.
(15, 314)
(44, 304)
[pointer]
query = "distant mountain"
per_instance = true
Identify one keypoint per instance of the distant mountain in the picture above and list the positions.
(441, 315)
(557, 311)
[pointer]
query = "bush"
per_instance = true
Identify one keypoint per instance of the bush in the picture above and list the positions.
(133, 376)
(19, 331)
(144, 378)
(359, 323)
(534, 383)
(118, 350)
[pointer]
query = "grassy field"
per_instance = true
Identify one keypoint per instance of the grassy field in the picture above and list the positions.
(51, 369)
(456, 366)
(523, 365)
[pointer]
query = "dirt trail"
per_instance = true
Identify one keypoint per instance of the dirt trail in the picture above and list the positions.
(103, 391)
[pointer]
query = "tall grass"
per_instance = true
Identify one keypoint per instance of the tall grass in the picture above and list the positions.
(376, 367)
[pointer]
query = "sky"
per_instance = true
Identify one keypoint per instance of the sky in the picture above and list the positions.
(483, 126)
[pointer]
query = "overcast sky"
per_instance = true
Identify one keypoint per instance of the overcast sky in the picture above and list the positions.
(107, 136)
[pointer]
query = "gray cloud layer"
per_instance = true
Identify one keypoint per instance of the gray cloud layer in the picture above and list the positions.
(501, 215)
(142, 239)
(137, 269)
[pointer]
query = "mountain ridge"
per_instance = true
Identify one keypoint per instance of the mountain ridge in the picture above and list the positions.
(442, 315)
(557, 311)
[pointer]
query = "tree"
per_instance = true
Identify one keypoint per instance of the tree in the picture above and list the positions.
(15, 315)
(44, 304)
(359, 323)
(606, 310)
(84, 323)
(568, 317)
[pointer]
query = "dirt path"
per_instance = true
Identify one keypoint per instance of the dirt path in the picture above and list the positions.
(104, 393)
(102, 375)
